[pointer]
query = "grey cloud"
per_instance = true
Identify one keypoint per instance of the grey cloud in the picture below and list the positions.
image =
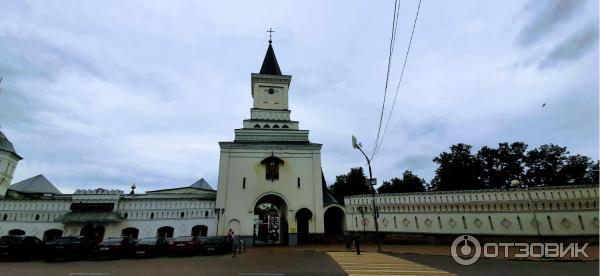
(547, 16)
(572, 48)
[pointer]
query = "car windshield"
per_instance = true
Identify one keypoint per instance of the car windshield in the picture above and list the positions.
(11, 240)
(180, 239)
(215, 239)
(64, 239)
(148, 241)
(113, 241)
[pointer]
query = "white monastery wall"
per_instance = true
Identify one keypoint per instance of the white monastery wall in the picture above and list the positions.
(560, 211)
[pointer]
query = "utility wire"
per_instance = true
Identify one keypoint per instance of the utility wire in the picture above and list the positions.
(399, 81)
(387, 77)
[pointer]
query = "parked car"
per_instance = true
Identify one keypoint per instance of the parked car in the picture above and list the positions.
(151, 247)
(216, 245)
(70, 247)
(186, 245)
(21, 247)
(119, 247)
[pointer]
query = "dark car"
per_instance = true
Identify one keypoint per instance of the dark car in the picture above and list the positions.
(120, 247)
(71, 247)
(21, 247)
(216, 245)
(186, 245)
(151, 247)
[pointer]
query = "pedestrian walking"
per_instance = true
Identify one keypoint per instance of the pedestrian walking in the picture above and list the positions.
(242, 245)
(357, 243)
(234, 243)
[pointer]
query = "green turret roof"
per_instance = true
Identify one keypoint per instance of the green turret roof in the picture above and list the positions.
(7, 146)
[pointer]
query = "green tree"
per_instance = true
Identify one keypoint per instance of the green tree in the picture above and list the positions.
(591, 176)
(500, 166)
(457, 170)
(409, 183)
(545, 166)
(353, 183)
(577, 170)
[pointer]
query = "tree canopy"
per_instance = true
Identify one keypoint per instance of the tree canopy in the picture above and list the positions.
(409, 183)
(495, 168)
(352, 183)
(488, 168)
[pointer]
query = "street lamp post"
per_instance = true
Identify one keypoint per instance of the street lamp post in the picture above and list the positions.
(372, 185)
(218, 211)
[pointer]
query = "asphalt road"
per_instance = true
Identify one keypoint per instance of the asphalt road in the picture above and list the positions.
(256, 262)
(279, 261)
(492, 267)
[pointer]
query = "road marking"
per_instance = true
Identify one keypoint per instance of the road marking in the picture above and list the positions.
(89, 273)
(369, 264)
(260, 274)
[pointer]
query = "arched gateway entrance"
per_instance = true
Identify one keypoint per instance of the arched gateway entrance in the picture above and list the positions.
(303, 217)
(270, 221)
(335, 224)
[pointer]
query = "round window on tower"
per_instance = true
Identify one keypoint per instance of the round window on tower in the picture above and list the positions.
(271, 91)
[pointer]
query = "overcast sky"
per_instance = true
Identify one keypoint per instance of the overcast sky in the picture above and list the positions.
(98, 93)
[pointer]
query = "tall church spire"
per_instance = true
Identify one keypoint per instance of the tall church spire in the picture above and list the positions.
(270, 65)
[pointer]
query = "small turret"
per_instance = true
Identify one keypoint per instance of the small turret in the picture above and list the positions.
(8, 163)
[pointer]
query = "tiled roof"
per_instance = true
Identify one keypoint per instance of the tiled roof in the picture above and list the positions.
(35, 185)
(202, 184)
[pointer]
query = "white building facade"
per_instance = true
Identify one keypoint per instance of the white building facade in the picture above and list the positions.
(270, 180)
(271, 190)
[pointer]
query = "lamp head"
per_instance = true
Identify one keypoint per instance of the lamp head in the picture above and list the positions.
(355, 144)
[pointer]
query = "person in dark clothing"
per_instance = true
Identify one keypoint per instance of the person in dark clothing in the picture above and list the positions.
(356, 238)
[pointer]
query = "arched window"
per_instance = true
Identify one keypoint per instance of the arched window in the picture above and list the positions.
(266, 126)
(181, 215)
(37, 217)
(257, 126)
(151, 215)
(275, 126)
(206, 213)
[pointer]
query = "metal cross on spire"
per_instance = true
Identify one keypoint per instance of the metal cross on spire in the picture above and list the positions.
(270, 31)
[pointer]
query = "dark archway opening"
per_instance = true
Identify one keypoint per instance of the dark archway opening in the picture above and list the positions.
(52, 234)
(334, 219)
(131, 232)
(200, 230)
(303, 217)
(16, 232)
(271, 222)
(165, 232)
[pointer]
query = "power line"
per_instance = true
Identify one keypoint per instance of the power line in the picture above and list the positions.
(387, 77)
(400, 80)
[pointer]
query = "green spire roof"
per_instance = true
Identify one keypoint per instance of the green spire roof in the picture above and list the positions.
(270, 65)
(6, 145)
